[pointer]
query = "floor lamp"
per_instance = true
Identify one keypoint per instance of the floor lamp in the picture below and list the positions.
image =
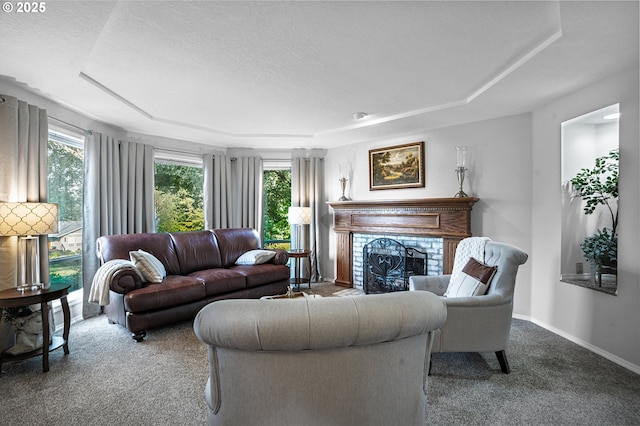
(28, 221)
(299, 216)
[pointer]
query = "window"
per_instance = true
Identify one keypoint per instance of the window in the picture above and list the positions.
(65, 180)
(178, 194)
(277, 199)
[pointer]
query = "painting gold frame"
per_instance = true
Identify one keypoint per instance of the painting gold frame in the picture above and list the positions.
(397, 167)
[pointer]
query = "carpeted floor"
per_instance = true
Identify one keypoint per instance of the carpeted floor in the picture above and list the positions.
(109, 379)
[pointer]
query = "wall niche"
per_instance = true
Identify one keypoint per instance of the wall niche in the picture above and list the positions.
(590, 164)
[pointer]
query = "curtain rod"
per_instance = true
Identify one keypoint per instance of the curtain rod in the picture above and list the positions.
(68, 124)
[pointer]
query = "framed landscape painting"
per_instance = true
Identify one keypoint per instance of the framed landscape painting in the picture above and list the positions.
(394, 167)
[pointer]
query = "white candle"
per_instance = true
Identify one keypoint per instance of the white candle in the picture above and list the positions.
(344, 169)
(461, 152)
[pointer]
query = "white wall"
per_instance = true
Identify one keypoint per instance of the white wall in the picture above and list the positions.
(499, 163)
(608, 324)
(59, 116)
(64, 118)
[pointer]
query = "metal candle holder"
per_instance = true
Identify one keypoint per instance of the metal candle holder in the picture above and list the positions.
(343, 184)
(460, 173)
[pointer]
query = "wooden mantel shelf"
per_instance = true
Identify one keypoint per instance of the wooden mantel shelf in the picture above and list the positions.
(446, 218)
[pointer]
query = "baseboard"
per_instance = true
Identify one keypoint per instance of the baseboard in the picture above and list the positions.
(75, 308)
(584, 344)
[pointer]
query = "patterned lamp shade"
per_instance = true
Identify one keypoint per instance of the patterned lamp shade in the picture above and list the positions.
(299, 215)
(28, 219)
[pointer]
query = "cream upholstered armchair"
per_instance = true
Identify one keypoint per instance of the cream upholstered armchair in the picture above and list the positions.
(327, 361)
(476, 323)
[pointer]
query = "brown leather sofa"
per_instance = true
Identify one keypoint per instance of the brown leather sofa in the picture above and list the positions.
(200, 269)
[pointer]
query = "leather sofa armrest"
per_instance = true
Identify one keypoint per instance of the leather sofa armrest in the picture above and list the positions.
(125, 280)
(436, 284)
(281, 258)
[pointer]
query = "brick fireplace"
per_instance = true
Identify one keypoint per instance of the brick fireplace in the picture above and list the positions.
(432, 247)
(434, 223)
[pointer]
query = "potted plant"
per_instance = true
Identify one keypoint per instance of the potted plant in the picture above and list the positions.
(599, 187)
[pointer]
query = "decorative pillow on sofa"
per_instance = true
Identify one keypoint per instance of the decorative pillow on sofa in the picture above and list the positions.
(473, 280)
(255, 257)
(148, 265)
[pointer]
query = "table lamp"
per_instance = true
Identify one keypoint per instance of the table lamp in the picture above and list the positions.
(299, 216)
(28, 221)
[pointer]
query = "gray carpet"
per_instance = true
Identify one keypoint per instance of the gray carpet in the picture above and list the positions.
(108, 379)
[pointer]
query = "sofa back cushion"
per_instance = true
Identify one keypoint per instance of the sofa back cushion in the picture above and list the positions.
(196, 251)
(109, 247)
(234, 242)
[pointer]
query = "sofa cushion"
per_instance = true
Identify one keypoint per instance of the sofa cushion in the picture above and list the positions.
(255, 257)
(262, 274)
(220, 280)
(160, 245)
(148, 265)
(174, 290)
(473, 280)
(234, 242)
(196, 251)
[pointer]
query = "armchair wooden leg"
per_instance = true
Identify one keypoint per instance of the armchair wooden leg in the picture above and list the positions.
(504, 364)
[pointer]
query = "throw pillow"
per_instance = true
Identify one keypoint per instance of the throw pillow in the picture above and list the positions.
(148, 265)
(255, 257)
(473, 280)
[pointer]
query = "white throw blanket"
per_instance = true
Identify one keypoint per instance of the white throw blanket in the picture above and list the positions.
(467, 248)
(100, 285)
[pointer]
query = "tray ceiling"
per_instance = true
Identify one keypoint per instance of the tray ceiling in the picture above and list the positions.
(292, 74)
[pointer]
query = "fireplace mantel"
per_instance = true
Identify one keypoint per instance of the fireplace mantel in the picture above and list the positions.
(446, 218)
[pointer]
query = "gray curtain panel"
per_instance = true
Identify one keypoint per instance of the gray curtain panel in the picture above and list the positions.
(233, 191)
(215, 190)
(23, 177)
(246, 193)
(118, 197)
(307, 190)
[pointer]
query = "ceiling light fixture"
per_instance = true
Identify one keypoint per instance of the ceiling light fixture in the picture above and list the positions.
(613, 116)
(359, 115)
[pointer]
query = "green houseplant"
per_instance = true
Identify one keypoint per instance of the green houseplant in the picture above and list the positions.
(599, 187)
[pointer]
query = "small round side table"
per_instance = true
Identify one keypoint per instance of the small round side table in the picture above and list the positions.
(14, 298)
(297, 255)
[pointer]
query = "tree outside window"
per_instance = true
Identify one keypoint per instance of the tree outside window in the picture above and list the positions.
(277, 199)
(178, 198)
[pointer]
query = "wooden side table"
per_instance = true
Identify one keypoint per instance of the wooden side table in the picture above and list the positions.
(297, 255)
(13, 298)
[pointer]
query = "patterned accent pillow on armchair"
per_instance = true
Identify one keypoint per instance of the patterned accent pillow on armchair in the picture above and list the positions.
(473, 280)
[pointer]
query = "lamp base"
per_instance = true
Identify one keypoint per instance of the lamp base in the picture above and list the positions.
(31, 287)
(460, 194)
(29, 266)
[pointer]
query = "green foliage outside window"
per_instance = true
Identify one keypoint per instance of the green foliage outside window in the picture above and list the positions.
(178, 198)
(277, 199)
(66, 180)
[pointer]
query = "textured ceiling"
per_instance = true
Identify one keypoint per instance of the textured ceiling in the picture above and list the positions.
(291, 74)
